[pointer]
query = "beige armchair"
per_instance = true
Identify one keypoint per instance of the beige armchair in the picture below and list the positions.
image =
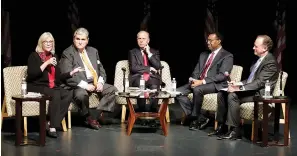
(12, 77)
(118, 82)
(247, 108)
(210, 100)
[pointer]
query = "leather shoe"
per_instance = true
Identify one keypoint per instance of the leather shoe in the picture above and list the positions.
(194, 126)
(51, 134)
(219, 131)
(231, 135)
(94, 124)
(204, 124)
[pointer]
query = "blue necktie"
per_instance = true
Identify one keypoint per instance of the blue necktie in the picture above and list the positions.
(255, 67)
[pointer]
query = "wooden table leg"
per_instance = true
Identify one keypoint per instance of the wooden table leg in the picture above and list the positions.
(287, 125)
(42, 122)
(132, 117)
(255, 123)
(162, 112)
(265, 125)
(18, 115)
(276, 122)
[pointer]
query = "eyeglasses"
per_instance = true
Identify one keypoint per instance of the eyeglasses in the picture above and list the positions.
(209, 40)
(48, 42)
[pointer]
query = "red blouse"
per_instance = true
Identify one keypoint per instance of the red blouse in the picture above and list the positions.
(52, 72)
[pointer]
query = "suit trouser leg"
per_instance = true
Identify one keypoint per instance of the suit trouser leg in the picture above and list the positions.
(198, 95)
(183, 99)
(81, 98)
(234, 101)
(222, 107)
(107, 98)
(57, 107)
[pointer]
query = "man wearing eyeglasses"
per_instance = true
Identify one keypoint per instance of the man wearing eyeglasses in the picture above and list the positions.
(207, 77)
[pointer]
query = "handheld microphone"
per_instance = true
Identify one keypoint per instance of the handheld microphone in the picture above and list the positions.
(191, 80)
(228, 76)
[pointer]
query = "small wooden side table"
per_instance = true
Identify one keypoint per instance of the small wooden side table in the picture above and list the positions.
(278, 102)
(19, 99)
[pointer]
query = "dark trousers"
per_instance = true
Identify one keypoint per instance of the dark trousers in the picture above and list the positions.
(58, 106)
(194, 108)
(152, 83)
(229, 106)
(106, 103)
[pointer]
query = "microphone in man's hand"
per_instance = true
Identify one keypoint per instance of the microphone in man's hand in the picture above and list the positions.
(228, 76)
(191, 80)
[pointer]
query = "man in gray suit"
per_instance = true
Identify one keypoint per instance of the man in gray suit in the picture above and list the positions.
(229, 102)
(91, 80)
(207, 77)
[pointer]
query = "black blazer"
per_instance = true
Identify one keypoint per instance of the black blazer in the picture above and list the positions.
(267, 70)
(222, 62)
(137, 67)
(36, 79)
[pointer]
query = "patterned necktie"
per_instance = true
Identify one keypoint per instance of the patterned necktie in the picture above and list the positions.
(255, 67)
(207, 65)
(90, 67)
(146, 76)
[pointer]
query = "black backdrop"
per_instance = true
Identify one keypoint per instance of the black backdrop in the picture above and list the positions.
(176, 29)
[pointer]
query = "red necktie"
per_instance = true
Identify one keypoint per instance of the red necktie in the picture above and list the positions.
(146, 76)
(207, 65)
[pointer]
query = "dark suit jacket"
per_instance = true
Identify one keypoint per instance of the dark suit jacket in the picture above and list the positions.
(71, 59)
(36, 79)
(137, 67)
(222, 62)
(267, 70)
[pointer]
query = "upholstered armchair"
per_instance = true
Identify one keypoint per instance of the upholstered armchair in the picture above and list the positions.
(12, 77)
(210, 100)
(247, 108)
(118, 82)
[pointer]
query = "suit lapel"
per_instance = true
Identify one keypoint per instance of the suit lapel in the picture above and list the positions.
(139, 56)
(78, 58)
(216, 59)
(93, 58)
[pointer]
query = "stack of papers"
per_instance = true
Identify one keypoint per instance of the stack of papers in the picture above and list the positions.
(32, 95)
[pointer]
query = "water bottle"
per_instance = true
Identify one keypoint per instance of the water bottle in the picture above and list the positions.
(24, 87)
(267, 89)
(126, 84)
(142, 83)
(173, 87)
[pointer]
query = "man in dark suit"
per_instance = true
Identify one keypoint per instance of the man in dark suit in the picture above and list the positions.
(144, 61)
(92, 80)
(229, 102)
(207, 77)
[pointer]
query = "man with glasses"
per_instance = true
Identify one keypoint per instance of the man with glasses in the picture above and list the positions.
(207, 77)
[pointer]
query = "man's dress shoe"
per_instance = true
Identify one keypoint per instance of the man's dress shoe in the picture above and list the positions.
(204, 124)
(221, 130)
(195, 125)
(231, 135)
(51, 134)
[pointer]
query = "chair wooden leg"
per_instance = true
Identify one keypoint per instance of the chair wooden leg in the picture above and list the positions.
(3, 112)
(216, 124)
(124, 108)
(25, 127)
(64, 125)
(69, 119)
(283, 120)
(253, 131)
(167, 115)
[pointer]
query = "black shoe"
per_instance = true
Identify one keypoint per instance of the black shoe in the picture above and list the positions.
(194, 126)
(51, 134)
(231, 135)
(204, 124)
(221, 130)
(153, 124)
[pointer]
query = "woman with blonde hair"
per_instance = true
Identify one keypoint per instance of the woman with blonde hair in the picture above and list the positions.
(43, 76)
